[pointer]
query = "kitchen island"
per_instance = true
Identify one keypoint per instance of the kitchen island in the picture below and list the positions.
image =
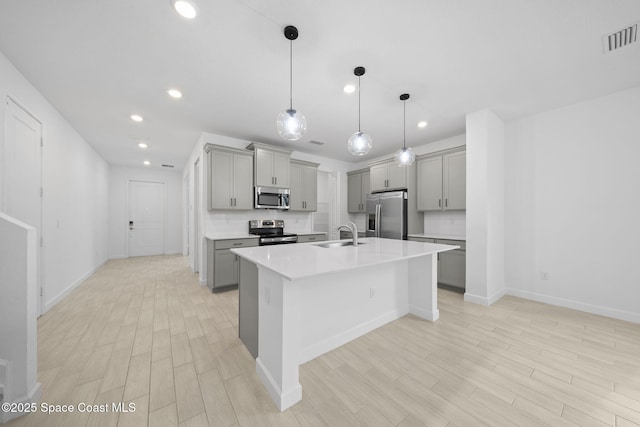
(313, 299)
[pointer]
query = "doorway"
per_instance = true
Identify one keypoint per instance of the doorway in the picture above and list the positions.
(146, 226)
(326, 217)
(22, 176)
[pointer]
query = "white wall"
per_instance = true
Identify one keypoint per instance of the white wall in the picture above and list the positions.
(75, 181)
(119, 177)
(573, 203)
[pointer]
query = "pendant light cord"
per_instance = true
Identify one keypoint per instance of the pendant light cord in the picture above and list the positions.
(404, 126)
(291, 74)
(359, 130)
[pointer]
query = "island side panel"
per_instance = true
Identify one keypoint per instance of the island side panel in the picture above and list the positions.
(423, 287)
(340, 307)
(279, 332)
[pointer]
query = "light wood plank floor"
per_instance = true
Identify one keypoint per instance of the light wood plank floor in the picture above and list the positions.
(142, 330)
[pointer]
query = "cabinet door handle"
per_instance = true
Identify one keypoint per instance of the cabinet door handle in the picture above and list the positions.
(439, 203)
(237, 244)
(446, 203)
(275, 179)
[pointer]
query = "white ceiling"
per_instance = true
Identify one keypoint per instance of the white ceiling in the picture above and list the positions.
(98, 62)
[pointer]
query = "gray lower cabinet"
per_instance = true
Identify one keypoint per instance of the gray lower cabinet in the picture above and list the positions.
(248, 306)
(318, 237)
(451, 264)
(222, 264)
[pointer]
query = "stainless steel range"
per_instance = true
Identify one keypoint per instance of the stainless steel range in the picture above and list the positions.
(271, 232)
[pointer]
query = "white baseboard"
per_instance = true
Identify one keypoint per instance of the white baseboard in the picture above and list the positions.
(56, 299)
(486, 301)
(576, 305)
(33, 397)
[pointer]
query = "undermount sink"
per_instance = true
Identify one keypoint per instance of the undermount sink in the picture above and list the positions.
(337, 244)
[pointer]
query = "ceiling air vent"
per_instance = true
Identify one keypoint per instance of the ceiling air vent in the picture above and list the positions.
(313, 141)
(167, 166)
(620, 38)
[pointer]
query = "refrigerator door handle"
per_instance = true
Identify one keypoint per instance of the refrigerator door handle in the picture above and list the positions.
(378, 214)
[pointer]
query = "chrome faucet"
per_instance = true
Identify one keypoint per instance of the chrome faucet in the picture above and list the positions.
(353, 229)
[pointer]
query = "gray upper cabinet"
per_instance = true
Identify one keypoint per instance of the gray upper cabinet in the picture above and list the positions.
(357, 189)
(304, 186)
(455, 180)
(230, 178)
(271, 165)
(430, 184)
(442, 182)
(388, 176)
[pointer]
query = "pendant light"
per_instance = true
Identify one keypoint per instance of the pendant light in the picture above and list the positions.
(404, 156)
(291, 123)
(360, 143)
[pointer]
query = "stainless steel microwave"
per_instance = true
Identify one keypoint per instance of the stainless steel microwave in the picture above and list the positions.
(271, 198)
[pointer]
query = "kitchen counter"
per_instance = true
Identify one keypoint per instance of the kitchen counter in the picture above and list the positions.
(229, 236)
(437, 236)
(300, 261)
(306, 300)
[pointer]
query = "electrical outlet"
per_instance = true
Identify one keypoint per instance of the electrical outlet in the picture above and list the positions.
(544, 275)
(372, 292)
(267, 295)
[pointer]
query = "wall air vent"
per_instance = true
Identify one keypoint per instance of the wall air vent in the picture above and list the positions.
(620, 38)
(167, 166)
(313, 141)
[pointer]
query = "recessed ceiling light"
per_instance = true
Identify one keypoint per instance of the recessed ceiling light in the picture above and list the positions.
(422, 124)
(174, 93)
(136, 118)
(349, 88)
(185, 8)
(142, 145)
(146, 162)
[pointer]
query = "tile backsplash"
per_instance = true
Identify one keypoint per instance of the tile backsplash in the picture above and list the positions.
(447, 223)
(238, 222)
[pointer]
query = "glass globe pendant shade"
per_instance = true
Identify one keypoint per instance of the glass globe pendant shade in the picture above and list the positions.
(405, 157)
(292, 124)
(359, 144)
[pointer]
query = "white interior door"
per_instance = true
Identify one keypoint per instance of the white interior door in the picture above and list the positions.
(22, 175)
(146, 218)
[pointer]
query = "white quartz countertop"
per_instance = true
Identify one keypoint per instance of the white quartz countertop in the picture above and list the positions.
(229, 236)
(437, 236)
(307, 260)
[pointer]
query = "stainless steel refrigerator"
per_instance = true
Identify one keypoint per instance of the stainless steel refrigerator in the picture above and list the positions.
(387, 215)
